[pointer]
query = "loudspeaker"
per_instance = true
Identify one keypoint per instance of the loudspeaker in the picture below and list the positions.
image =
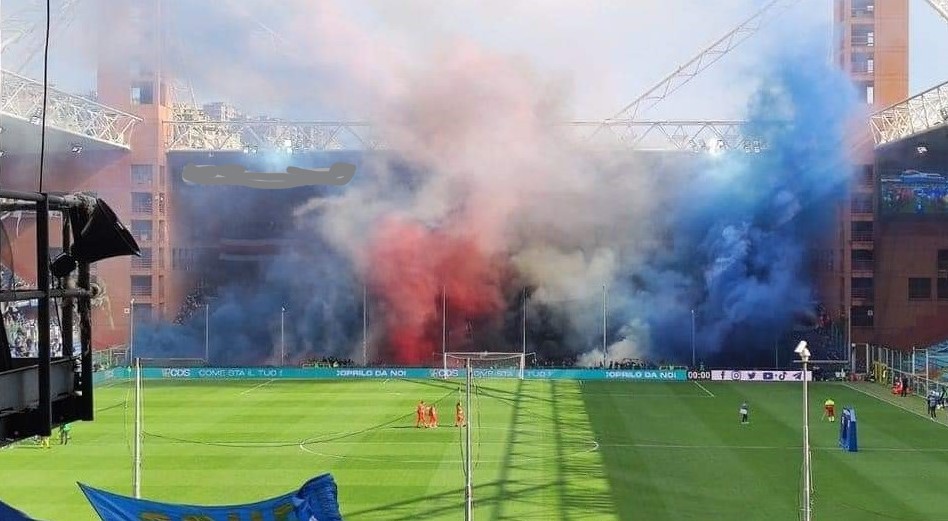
(103, 236)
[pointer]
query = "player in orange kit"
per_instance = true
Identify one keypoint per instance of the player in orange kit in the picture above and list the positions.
(432, 416)
(459, 416)
(420, 414)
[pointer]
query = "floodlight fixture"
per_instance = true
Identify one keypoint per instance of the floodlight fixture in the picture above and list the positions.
(801, 348)
(98, 235)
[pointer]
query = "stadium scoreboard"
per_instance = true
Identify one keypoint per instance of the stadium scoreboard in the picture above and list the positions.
(699, 375)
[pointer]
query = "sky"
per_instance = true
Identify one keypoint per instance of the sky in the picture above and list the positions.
(605, 52)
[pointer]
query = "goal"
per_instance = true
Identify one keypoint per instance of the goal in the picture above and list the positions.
(488, 363)
(481, 364)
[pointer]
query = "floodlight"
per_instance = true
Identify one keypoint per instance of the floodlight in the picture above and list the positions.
(921, 149)
(98, 235)
(77, 148)
(801, 349)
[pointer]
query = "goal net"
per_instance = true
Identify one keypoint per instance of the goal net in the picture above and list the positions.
(487, 363)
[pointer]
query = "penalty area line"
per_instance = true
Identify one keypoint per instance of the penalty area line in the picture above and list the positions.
(703, 388)
(254, 388)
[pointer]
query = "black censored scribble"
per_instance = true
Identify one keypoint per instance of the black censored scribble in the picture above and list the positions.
(338, 174)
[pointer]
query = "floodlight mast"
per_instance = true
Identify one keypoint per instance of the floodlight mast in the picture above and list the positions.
(469, 466)
(804, 354)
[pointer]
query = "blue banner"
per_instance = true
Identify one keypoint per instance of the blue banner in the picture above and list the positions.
(8, 513)
(317, 499)
(319, 373)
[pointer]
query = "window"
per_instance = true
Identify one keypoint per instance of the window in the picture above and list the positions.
(942, 288)
(862, 231)
(143, 312)
(942, 263)
(144, 261)
(862, 288)
(161, 258)
(867, 176)
(919, 288)
(870, 39)
(182, 259)
(862, 260)
(870, 94)
(161, 204)
(863, 7)
(141, 285)
(863, 63)
(143, 93)
(141, 202)
(141, 229)
(862, 203)
(161, 175)
(862, 316)
(142, 175)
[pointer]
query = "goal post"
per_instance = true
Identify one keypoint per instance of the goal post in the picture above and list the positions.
(486, 360)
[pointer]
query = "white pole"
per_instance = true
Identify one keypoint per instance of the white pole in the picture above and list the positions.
(523, 355)
(282, 338)
(137, 468)
(693, 365)
(806, 441)
(444, 329)
(365, 329)
(604, 326)
(207, 337)
(849, 337)
(469, 470)
(928, 388)
(131, 333)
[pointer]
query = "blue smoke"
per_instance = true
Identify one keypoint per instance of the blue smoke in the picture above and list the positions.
(743, 221)
(315, 284)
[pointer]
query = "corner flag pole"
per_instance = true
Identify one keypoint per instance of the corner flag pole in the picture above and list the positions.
(137, 468)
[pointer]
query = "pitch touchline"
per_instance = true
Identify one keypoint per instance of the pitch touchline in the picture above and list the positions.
(254, 388)
(904, 408)
(703, 388)
(762, 447)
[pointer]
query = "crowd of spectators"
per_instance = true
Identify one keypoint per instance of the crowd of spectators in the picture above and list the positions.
(19, 321)
(192, 302)
(328, 361)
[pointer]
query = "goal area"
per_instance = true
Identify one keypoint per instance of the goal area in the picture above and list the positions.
(510, 361)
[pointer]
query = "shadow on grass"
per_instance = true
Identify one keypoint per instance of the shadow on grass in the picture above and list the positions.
(556, 489)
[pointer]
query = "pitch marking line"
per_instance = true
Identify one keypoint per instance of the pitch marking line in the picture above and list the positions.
(703, 388)
(904, 408)
(254, 388)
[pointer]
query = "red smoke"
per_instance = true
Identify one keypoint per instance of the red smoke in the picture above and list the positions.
(408, 265)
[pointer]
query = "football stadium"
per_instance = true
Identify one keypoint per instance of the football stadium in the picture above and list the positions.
(441, 260)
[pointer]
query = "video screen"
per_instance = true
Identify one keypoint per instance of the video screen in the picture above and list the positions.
(20, 324)
(914, 193)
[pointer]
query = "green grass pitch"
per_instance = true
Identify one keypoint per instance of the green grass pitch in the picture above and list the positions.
(543, 450)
